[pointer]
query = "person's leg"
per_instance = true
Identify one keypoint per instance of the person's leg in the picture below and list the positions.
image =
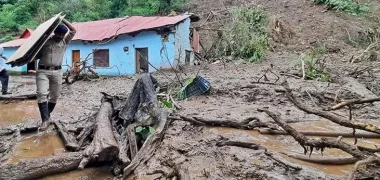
(55, 85)
(42, 81)
(4, 81)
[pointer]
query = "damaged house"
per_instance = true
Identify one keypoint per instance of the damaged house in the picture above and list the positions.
(125, 46)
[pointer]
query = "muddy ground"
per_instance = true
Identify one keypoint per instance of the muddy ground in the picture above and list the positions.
(191, 149)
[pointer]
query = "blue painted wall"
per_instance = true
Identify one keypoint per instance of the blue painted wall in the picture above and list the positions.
(182, 42)
(8, 52)
(160, 54)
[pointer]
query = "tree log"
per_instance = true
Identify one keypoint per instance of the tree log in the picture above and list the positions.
(317, 143)
(68, 139)
(132, 140)
(149, 146)
(104, 146)
(41, 167)
(247, 124)
(19, 97)
(321, 133)
(330, 116)
(324, 160)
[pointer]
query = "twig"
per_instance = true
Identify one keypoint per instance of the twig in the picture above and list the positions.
(353, 102)
(317, 143)
(254, 146)
(369, 160)
(330, 116)
(287, 164)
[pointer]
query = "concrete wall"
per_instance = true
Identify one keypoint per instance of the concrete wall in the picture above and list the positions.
(182, 42)
(8, 52)
(160, 54)
(125, 61)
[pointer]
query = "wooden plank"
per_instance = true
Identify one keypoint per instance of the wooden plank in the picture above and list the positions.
(28, 50)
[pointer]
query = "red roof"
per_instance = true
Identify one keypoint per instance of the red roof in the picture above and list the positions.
(18, 42)
(104, 29)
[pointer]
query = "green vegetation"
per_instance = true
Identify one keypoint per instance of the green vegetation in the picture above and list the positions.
(314, 68)
(247, 36)
(16, 15)
(348, 6)
(144, 132)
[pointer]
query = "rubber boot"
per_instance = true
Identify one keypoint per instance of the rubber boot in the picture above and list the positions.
(44, 111)
(51, 107)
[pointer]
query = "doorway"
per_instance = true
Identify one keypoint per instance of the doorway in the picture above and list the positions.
(76, 60)
(142, 60)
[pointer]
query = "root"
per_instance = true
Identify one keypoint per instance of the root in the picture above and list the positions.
(318, 143)
(327, 161)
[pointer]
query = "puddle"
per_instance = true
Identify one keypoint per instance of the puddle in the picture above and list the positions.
(38, 146)
(92, 173)
(14, 113)
(274, 143)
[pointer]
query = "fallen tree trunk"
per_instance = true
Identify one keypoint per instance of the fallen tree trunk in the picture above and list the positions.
(19, 97)
(330, 116)
(324, 160)
(247, 124)
(41, 167)
(318, 143)
(322, 133)
(68, 139)
(104, 146)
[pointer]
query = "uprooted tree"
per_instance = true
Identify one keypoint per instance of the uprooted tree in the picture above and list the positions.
(107, 136)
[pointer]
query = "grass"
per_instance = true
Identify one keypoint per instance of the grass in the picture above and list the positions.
(247, 35)
(348, 6)
(314, 68)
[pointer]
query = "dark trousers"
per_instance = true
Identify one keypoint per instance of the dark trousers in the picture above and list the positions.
(4, 78)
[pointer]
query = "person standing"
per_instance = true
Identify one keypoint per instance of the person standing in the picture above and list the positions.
(49, 73)
(4, 77)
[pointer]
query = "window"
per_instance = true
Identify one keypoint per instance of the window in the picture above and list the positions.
(101, 58)
(187, 57)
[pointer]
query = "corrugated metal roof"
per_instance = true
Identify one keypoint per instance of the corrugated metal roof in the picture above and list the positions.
(105, 29)
(14, 43)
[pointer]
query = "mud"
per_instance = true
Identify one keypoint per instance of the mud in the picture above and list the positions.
(36, 146)
(15, 113)
(191, 149)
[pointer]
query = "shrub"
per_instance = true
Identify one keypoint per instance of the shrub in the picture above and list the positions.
(247, 36)
(314, 68)
(348, 6)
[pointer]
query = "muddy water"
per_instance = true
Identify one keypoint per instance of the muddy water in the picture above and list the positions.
(274, 143)
(38, 146)
(88, 174)
(14, 113)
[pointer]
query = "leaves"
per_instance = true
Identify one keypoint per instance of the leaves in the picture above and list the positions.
(144, 132)
(167, 104)
(247, 36)
(348, 6)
